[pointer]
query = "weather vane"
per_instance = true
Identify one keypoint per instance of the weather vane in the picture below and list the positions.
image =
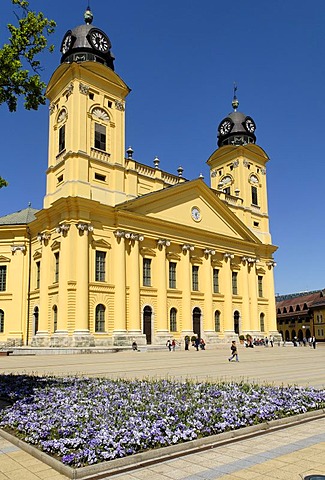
(235, 102)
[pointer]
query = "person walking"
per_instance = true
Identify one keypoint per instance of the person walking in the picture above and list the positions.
(169, 345)
(234, 352)
(313, 341)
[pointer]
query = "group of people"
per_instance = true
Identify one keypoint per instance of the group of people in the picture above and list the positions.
(257, 342)
(196, 342)
(311, 342)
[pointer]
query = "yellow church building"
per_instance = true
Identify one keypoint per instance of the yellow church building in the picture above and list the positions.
(123, 251)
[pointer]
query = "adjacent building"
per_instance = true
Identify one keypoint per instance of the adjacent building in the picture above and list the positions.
(122, 250)
(301, 315)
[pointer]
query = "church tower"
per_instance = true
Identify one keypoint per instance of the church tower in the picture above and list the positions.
(238, 171)
(87, 120)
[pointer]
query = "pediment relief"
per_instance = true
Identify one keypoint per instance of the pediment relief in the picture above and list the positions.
(101, 243)
(55, 245)
(4, 259)
(195, 259)
(37, 255)
(216, 263)
(147, 252)
(173, 256)
(235, 266)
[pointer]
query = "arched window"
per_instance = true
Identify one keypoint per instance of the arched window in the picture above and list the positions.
(173, 320)
(100, 318)
(101, 121)
(217, 321)
(55, 318)
(262, 322)
(2, 321)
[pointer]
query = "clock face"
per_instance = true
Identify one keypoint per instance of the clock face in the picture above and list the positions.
(67, 42)
(196, 214)
(225, 127)
(99, 41)
(250, 125)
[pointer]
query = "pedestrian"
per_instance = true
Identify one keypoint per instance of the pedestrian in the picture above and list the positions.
(313, 341)
(187, 342)
(169, 345)
(271, 340)
(197, 343)
(173, 345)
(202, 344)
(134, 346)
(234, 352)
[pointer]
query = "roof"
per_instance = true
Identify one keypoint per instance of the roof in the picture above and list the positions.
(299, 302)
(22, 217)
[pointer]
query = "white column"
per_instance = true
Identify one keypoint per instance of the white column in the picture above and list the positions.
(134, 320)
(82, 298)
(187, 321)
(120, 286)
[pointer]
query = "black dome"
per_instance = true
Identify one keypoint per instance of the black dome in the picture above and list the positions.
(87, 43)
(236, 129)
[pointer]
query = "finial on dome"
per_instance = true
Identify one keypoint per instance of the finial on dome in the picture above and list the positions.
(235, 102)
(88, 16)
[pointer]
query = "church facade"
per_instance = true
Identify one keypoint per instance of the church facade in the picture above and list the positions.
(123, 251)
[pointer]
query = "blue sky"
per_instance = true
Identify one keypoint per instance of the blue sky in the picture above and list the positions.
(181, 58)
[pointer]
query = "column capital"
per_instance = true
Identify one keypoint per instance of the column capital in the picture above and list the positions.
(18, 248)
(63, 228)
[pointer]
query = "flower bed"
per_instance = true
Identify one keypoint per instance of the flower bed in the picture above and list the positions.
(84, 421)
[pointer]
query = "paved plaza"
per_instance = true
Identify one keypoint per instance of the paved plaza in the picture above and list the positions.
(289, 453)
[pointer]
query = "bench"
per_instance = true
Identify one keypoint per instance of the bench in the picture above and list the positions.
(5, 353)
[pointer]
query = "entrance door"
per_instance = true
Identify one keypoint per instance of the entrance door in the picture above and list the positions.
(147, 314)
(236, 322)
(197, 321)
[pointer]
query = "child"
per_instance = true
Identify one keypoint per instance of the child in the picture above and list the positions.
(234, 352)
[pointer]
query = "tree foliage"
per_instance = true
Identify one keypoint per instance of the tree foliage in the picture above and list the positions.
(3, 182)
(19, 65)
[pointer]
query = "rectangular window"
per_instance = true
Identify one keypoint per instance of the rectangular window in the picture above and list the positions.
(100, 137)
(147, 272)
(62, 138)
(3, 278)
(195, 278)
(99, 176)
(215, 280)
(260, 286)
(57, 264)
(254, 196)
(38, 274)
(172, 275)
(100, 266)
(234, 277)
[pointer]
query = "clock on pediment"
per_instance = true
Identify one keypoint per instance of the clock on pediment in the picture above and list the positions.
(196, 214)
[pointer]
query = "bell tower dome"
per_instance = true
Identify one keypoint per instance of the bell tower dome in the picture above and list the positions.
(87, 120)
(87, 43)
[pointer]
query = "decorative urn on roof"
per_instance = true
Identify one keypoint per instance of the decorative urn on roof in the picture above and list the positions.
(87, 43)
(237, 128)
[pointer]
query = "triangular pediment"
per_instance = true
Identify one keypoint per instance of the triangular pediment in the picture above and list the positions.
(4, 259)
(37, 255)
(194, 205)
(101, 243)
(55, 245)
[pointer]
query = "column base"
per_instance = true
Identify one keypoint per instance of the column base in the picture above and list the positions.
(162, 336)
(212, 338)
(126, 339)
(82, 338)
(14, 340)
(60, 338)
(41, 339)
